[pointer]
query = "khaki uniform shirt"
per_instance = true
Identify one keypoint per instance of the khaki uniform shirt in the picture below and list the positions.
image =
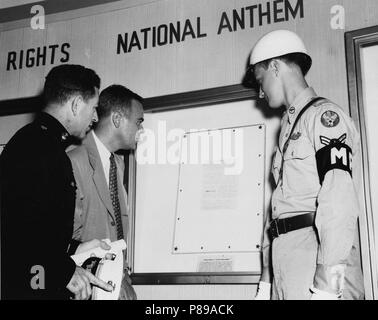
(299, 190)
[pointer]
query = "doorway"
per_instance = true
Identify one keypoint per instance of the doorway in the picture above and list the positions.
(362, 67)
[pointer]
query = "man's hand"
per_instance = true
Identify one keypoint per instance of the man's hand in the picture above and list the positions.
(80, 284)
(85, 246)
(263, 291)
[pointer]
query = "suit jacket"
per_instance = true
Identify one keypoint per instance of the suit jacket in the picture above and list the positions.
(94, 214)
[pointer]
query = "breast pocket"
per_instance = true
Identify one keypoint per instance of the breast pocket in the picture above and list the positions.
(299, 168)
(299, 149)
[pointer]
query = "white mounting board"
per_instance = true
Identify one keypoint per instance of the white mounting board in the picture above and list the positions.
(157, 185)
(219, 203)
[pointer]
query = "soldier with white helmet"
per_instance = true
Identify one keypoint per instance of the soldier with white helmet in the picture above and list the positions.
(312, 235)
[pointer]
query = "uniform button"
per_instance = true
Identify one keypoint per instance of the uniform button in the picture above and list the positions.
(112, 223)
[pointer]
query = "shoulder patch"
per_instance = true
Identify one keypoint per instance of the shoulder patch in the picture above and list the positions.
(330, 119)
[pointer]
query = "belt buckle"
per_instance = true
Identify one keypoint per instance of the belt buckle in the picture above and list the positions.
(274, 229)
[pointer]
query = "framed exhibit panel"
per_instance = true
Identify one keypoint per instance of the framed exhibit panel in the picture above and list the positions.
(362, 58)
(199, 188)
(219, 206)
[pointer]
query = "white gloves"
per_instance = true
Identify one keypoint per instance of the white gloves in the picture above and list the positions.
(263, 291)
(323, 295)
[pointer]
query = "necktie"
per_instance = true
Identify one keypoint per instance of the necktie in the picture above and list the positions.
(114, 196)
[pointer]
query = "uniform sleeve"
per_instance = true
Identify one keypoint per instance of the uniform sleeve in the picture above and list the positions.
(335, 140)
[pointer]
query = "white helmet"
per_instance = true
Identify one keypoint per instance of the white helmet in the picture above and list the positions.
(278, 43)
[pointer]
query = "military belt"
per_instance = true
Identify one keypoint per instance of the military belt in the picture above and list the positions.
(282, 226)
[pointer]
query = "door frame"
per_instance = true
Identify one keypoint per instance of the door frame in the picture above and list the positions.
(354, 42)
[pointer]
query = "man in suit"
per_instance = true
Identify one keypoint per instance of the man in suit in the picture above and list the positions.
(101, 199)
(38, 193)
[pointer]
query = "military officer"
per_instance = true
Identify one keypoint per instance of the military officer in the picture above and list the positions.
(312, 234)
(38, 193)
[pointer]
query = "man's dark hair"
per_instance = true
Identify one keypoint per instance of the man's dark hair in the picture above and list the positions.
(301, 60)
(116, 98)
(66, 80)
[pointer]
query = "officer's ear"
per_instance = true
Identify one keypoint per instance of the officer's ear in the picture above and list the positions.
(116, 118)
(75, 104)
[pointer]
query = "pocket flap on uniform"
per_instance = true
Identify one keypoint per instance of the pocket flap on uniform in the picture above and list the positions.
(299, 149)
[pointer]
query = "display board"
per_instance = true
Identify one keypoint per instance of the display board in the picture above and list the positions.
(219, 207)
(216, 221)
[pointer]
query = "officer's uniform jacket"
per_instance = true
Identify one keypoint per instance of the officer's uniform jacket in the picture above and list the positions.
(299, 189)
(37, 211)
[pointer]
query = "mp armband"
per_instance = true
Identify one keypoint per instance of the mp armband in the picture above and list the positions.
(336, 155)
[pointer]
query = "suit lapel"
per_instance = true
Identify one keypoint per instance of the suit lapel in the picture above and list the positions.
(98, 173)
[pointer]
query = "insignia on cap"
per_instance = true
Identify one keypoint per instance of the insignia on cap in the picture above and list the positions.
(330, 119)
(291, 110)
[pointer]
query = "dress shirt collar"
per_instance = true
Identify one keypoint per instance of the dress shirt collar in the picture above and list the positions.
(104, 155)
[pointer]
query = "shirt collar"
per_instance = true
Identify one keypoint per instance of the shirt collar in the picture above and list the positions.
(299, 102)
(102, 150)
(57, 131)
